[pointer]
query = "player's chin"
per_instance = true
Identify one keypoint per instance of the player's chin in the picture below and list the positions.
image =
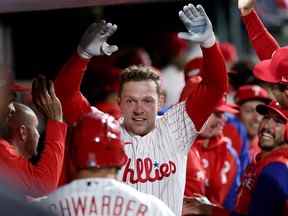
(266, 144)
(140, 130)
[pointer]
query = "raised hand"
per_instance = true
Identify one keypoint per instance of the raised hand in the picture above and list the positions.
(45, 99)
(246, 6)
(94, 40)
(198, 25)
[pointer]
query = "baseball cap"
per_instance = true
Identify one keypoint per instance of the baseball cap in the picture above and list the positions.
(17, 87)
(223, 106)
(251, 92)
(274, 70)
(192, 69)
(110, 108)
(273, 107)
(96, 142)
(229, 52)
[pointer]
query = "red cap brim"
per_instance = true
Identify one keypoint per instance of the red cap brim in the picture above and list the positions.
(262, 72)
(265, 109)
(227, 108)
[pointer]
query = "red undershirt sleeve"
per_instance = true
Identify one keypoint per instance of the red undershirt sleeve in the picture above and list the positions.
(262, 41)
(205, 96)
(67, 87)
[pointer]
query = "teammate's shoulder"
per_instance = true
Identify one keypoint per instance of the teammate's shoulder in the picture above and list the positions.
(275, 169)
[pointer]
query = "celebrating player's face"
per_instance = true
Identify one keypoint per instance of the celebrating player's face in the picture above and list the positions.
(139, 103)
(271, 132)
(250, 117)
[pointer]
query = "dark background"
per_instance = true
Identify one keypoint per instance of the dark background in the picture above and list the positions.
(44, 40)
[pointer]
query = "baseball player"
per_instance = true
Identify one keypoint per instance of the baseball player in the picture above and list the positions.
(273, 66)
(19, 143)
(98, 154)
(263, 189)
(156, 147)
(247, 98)
(219, 160)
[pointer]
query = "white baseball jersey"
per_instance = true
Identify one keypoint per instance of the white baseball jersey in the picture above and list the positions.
(157, 161)
(105, 197)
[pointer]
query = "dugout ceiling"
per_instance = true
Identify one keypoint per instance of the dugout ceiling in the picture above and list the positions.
(7, 6)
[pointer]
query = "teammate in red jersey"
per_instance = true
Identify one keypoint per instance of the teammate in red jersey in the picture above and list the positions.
(19, 143)
(220, 165)
(263, 189)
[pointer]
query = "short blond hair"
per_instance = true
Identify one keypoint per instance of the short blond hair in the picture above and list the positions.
(140, 73)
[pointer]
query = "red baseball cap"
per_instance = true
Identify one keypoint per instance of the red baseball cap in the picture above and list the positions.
(229, 52)
(223, 106)
(251, 92)
(96, 142)
(192, 69)
(110, 108)
(193, 64)
(17, 87)
(273, 107)
(274, 70)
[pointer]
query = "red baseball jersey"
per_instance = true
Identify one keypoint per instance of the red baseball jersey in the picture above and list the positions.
(195, 174)
(220, 166)
(42, 178)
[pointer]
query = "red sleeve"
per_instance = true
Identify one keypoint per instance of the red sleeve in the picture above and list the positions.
(195, 175)
(262, 41)
(67, 87)
(186, 91)
(206, 95)
(42, 178)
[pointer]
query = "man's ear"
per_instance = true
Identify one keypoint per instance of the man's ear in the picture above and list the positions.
(23, 132)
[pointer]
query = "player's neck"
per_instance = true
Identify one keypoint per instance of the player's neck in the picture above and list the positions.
(97, 173)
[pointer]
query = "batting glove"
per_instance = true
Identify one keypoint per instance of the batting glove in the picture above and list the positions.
(199, 27)
(246, 6)
(94, 40)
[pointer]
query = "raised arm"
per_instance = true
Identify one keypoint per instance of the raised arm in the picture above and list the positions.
(67, 84)
(45, 175)
(42, 178)
(204, 97)
(262, 41)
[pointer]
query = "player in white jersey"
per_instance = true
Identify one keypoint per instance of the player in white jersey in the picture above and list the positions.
(156, 147)
(98, 154)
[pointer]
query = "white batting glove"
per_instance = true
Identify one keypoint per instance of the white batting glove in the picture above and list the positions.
(94, 40)
(246, 6)
(198, 25)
